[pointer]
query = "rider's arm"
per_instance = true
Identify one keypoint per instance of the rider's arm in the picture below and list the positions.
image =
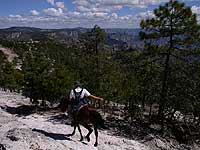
(90, 96)
(95, 97)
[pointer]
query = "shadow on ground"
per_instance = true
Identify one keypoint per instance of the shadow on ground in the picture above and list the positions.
(54, 136)
(2, 147)
(61, 119)
(23, 110)
(136, 130)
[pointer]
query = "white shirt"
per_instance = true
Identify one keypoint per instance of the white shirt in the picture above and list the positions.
(84, 93)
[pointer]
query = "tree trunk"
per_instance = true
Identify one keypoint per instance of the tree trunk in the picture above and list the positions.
(150, 111)
(143, 102)
(164, 88)
(166, 75)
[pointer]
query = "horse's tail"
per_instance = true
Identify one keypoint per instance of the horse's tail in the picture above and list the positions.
(97, 119)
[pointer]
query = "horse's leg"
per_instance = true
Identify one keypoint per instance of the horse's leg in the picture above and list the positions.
(73, 131)
(79, 129)
(90, 131)
(96, 135)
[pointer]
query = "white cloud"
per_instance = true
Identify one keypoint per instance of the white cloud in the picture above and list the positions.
(53, 12)
(127, 17)
(196, 10)
(94, 9)
(81, 3)
(34, 12)
(15, 16)
(118, 2)
(99, 14)
(51, 2)
(147, 14)
(60, 4)
(56, 18)
(87, 13)
(82, 8)
(114, 15)
(112, 5)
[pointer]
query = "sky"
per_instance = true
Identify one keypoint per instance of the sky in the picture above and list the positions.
(81, 13)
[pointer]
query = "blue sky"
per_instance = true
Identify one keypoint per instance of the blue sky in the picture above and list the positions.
(80, 13)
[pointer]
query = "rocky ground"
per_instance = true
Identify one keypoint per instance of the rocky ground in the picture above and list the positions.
(47, 131)
(21, 128)
(9, 53)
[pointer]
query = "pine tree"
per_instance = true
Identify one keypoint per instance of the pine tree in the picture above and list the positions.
(35, 66)
(174, 31)
(92, 41)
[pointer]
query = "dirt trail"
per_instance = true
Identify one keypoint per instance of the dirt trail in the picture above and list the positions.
(48, 131)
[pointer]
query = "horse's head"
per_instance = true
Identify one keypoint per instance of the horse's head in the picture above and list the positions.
(64, 103)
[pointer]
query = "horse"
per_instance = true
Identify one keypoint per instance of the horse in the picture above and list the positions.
(87, 117)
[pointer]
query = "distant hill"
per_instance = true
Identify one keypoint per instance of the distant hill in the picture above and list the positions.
(115, 37)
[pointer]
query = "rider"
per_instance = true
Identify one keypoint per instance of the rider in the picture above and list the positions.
(78, 97)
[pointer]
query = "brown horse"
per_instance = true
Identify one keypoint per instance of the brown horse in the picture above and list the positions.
(87, 117)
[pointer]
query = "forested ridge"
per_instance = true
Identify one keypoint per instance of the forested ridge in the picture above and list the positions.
(156, 85)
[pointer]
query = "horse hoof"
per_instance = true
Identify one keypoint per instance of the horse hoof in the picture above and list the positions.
(88, 138)
(95, 144)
